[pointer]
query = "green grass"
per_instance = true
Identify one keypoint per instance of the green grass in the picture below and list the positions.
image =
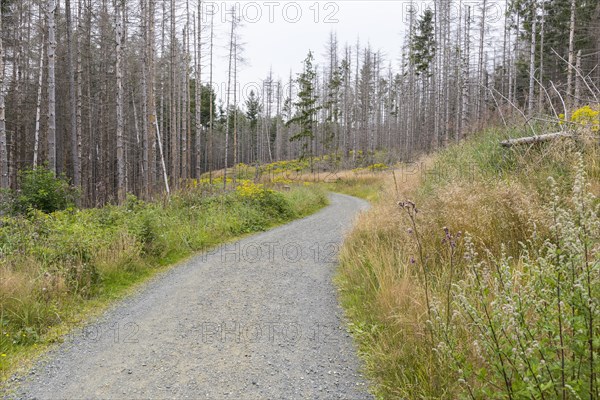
(59, 269)
(364, 186)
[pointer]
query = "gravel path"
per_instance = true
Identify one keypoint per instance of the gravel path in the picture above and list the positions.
(256, 319)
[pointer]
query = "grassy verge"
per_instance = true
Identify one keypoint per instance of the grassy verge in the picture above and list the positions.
(484, 281)
(365, 186)
(56, 269)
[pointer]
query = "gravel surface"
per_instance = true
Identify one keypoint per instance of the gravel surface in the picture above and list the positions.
(255, 319)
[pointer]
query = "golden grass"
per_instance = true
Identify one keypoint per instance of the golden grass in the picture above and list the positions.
(383, 290)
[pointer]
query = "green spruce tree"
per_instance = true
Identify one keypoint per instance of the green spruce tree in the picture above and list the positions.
(306, 109)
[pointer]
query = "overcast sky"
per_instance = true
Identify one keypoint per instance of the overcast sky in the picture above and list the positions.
(278, 34)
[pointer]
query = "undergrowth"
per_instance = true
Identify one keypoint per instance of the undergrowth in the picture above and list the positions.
(55, 266)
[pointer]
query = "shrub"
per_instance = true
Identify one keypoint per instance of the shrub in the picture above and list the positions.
(41, 190)
(587, 117)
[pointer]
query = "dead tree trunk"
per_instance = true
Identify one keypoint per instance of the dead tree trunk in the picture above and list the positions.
(75, 161)
(531, 99)
(121, 186)
(38, 112)
(198, 90)
(534, 139)
(3, 145)
(568, 97)
(51, 10)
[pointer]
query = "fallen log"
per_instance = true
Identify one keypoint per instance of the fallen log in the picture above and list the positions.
(535, 139)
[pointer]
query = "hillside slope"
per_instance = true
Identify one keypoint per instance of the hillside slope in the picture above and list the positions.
(477, 273)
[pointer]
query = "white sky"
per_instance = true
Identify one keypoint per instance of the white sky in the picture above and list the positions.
(278, 34)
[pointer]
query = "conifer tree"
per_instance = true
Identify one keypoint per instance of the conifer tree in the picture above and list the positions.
(306, 109)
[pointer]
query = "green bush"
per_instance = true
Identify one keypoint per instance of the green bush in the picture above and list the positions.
(41, 190)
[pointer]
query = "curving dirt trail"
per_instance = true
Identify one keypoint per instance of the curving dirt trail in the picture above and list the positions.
(255, 319)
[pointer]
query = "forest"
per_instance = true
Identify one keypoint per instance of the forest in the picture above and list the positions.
(452, 179)
(119, 97)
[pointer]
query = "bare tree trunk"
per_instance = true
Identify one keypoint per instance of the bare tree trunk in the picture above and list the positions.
(162, 157)
(152, 118)
(145, 128)
(75, 160)
(198, 89)
(576, 97)
(210, 106)
(4, 183)
(235, 127)
(154, 131)
(356, 112)
(412, 88)
(504, 49)
(541, 69)
(121, 186)
(459, 77)
(509, 65)
(531, 99)
(227, 104)
(346, 117)
(91, 148)
(138, 137)
(38, 113)
(17, 69)
(172, 99)
(466, 73)
(79, 106)
(185, 108)
(568, 97)
(446, 66)
(516, 56)
(480, 65)
(267, 116)
(51, 10)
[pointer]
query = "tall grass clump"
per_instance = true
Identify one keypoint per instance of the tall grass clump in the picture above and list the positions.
(54, 266)
(529, 327)
(485, 283)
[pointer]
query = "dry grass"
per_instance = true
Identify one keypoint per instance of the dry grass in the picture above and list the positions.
(383, 290)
